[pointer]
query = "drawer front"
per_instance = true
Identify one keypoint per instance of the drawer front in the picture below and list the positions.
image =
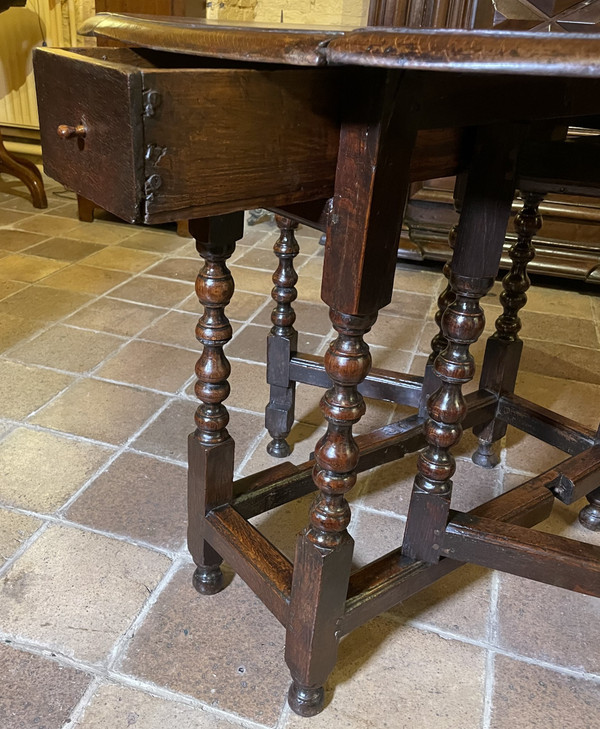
(106, 165)
(167, 143)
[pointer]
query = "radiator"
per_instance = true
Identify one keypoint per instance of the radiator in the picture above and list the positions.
(21, 30)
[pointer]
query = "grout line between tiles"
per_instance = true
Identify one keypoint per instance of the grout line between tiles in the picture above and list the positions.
(82, 704)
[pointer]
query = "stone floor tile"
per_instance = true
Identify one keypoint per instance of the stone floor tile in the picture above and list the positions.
(177, 327)
(138, 497)
(27, 268)
(86, 279)
(409, 304)
(312, 268)
(562, 635)
(391, 675)
(395, 332)
(310, 317)
(10, 217)
(249, 389)
(151, 365)
(181, 269)
(302, 438)
(62, 347)
(567, 362)
(385, 358)
(41, 470)
(241, 307)
(390, 486)
(112, 232)
(532, 697)
(24, 389)
(577, 400)
(123, 259)
(458, 603)
(281, 526)
(119, 706)
(115, 317)
(226, 649)
(557, 300)
(167, 435)
(248, 279)
(37, 692)
(18, 240)
(100, 410)
(15, 529)
(8, 288)
(43, 303)
(265, 259)
(64, 249)
(14, 329)
(76, 592)
(153, 291)
(552, 327)
(309, 289)
(149, 240)
(47, 225)
(251, 343)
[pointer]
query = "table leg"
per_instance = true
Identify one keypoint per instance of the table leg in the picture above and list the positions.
(589, 516)
(282, 342)
(503, 349)
(324, 550)
(485, 210)
(210, 447)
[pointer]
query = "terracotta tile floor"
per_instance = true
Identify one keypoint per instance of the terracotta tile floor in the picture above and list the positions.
(100, 626)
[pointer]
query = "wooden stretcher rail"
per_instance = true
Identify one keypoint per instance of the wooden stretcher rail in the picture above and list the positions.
(285, 482)
(253, 557)
(547, 558)
(577, 476)
(393, 578)
(546, 425)
(400, 388)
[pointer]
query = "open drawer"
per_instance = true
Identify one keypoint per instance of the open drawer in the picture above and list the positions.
(154, 137)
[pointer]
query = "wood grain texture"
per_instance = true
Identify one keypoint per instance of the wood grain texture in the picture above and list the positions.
(540, 556)
(242, 41)
(576, 55)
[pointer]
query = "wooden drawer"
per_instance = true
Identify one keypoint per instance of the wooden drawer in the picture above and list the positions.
(171, 137)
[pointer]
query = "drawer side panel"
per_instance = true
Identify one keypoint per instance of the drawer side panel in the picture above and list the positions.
(226, 140)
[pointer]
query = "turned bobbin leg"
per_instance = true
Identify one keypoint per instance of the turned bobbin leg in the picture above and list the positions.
(438, 343)
(282, 342)
(589, 516)
(504, 347)
(462, 324)
(210, 447)
(485, 209)
(324, 550)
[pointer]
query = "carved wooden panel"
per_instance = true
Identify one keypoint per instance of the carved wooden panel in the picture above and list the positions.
(579, 16)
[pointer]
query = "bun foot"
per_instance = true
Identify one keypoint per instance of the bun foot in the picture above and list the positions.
(306, 701)
(208, 580)
(279, 448)
(589, 517)
(485, 455)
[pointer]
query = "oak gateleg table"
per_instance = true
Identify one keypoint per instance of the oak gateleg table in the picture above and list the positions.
(200, 121)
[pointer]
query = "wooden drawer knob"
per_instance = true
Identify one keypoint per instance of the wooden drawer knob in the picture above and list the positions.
(66, 131)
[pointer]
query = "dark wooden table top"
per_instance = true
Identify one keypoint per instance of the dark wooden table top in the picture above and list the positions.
(508, 52)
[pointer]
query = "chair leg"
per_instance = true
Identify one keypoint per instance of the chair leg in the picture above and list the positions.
(324, 550)
(210, 447)
(504, 347)
(282, 342)
(85, 209)
(25, 171)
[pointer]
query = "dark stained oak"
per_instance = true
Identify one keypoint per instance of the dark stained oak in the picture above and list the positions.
(240, 117)
(282, 342)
